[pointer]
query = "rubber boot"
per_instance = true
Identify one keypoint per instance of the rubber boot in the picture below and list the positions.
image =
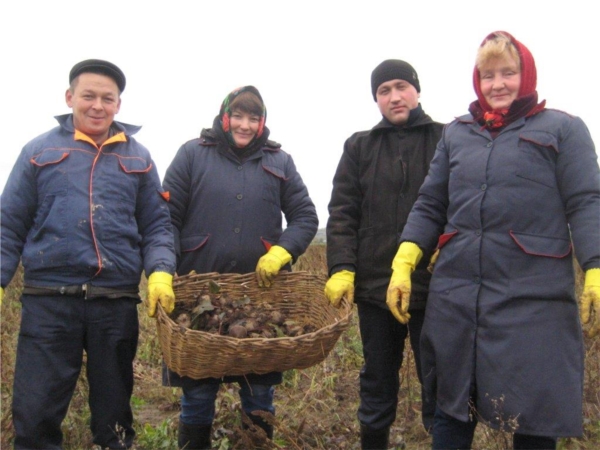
(193, 437)
(374, 439)
(258, 421)
(525, 441)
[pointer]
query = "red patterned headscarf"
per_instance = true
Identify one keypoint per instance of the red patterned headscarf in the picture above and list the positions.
(526, 102)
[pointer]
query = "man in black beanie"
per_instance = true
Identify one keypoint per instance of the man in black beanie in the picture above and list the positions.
(375, 185)
(393, 69)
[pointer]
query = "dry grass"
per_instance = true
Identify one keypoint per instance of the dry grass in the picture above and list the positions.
(316, 407)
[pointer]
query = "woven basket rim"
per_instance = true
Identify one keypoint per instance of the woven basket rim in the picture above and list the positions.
(346, 317)
(335, 322)
(344, 305)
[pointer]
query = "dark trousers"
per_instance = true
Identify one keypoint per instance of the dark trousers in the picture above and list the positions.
(54, 333)
(383, 340)
(451, 433)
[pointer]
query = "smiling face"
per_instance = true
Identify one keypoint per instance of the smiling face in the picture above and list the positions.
(95, 100)
(395, 99)
(244, 127)
(500, 81)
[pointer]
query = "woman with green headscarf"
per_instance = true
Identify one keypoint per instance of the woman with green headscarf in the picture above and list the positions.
(228, 191)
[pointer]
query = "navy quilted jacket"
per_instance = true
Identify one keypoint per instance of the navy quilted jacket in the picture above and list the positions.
(80, 214)
(226, 214)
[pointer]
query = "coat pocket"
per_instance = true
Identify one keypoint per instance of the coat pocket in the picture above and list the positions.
(537, 245)
(193, 243)
(272, 186)
(47, 246)
(134, 164)
(268, 242)
(48, 157)
(445, 238)
(537, 157)
(442, 240)
(53, 173)
(539, 267)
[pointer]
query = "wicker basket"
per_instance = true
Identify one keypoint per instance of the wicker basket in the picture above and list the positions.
(299, 295)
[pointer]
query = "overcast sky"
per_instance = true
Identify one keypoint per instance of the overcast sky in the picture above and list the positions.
(310, 60)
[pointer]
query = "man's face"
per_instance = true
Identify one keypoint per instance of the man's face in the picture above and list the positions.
(94, 100)
(395, 99)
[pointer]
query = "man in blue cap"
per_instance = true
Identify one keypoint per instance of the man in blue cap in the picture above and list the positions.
(84, 211)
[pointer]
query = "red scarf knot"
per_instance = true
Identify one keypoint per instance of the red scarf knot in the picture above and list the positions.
(495, 119)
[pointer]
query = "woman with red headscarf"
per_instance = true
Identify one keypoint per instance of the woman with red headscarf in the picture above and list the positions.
(512, 191)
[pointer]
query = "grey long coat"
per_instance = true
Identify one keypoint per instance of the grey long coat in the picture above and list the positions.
(502, 320)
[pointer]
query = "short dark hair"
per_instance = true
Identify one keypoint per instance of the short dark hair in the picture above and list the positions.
(247, 102)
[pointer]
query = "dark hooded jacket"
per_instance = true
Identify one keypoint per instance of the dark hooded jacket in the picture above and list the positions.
(226, 209)
(226, 213)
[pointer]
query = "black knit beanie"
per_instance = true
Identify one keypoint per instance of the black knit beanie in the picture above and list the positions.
(393, 69)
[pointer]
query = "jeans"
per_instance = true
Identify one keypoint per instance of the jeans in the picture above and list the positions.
(198, 402)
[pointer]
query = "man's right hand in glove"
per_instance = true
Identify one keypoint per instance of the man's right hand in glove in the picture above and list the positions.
(398, 293)
(341, 283)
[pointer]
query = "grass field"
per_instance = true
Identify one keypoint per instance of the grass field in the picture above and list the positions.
(316, 407)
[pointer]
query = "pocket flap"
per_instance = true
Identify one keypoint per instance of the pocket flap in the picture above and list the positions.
(191, 243)
(534, 244)
(279, 173)
(52, 156)
(444, 238)
(134, 164)
(541, 138)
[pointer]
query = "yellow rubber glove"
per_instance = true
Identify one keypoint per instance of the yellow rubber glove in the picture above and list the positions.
(405, 261)
(590, 301)
(1, 295)
(160, 289)
(339, 284)
(270, 263)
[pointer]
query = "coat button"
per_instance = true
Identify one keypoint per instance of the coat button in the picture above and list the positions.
(240, 167)
(236, 230)
(483, 187)
(239, 196)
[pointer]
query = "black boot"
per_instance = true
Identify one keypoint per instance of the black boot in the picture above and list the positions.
(260, 422)
(526, 441)
(193, 437)
(374, 439)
